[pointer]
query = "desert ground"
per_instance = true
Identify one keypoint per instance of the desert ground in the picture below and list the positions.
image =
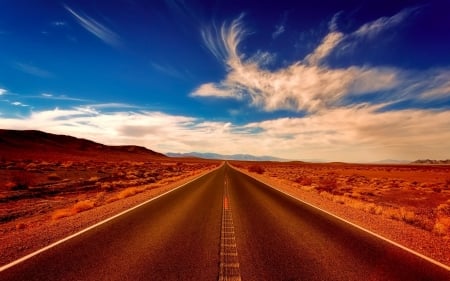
(409, 204)
(59, 197)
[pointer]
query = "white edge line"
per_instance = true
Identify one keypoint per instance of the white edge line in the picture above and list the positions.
(435, 262)
(24, 258)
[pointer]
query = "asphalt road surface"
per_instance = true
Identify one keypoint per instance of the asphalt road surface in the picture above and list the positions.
(268, 236)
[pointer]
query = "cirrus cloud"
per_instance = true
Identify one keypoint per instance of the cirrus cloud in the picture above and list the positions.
(311, 85)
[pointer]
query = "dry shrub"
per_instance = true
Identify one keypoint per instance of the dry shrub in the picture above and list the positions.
(94, 178)
(401, 215)
(447, 183)
(256, 169)
(53, 177)
(304, 180)
(328, 184)
(78, 207)
(442, 226)
(83, 206)
(126, 193)
(20, 180)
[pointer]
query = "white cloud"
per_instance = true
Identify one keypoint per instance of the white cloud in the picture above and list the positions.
(97, 29)
(33, 70)
(310, 84)
(377, 26)
(18, 103)
(359, 133)
(304, 85)
(2, 91)
(59, 23)
(278, 31)
(223, 42)
(324, 49)
(46, 95)
(211, 89)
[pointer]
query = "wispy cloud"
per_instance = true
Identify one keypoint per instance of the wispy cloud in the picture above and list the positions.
(310, 84)
(2, 91)
(18, 103)
(377, 26)
(279, 29)
(170, 71)
(59, 23)
(58, 97)
(33, 70)
(223, 41)
(97, 29)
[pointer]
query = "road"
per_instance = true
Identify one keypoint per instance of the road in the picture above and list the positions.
(228, 224)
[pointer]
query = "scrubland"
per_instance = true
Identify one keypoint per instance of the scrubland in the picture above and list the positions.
(415, 194)
(60, 189)
(409, 204)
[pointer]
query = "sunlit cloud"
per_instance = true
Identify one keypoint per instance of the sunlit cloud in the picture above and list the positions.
(2, 91)
(97, 29)
(357, 134)
(382, 24)
(310, 84)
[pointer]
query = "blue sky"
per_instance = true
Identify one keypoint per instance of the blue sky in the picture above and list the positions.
(331, 80)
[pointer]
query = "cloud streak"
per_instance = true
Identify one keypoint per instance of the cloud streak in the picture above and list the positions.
(97, 29)
(311, 85)
(33, 70)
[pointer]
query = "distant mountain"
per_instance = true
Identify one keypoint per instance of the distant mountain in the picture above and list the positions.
(429, 161)
(391, 161)
(242, 157)
(31, 144)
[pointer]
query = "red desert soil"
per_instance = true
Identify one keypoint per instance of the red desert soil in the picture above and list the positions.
(409, 204)
(58, 185)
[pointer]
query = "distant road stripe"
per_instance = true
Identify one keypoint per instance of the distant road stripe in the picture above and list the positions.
(229, 262)
(22, 259)
(435, 262)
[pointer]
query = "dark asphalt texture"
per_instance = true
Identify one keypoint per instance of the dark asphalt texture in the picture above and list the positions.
(177, 237)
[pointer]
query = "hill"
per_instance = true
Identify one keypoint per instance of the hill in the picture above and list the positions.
(38, 145)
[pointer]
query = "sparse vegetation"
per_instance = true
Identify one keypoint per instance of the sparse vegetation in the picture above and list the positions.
(256, 169)
(19, 180)
(78, 207)
(406, 193)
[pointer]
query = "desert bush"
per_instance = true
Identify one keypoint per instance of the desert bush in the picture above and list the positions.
(444, 209)
(442, 226)
(126, 193)
(53, 177)
(94, 178)
(256, 169)
(78, 207)
(447, 183)
(328, 184)
(20, 180)
(401, 215)
(304, 180)
(107, 186)
(82, 206)
(437, 189)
